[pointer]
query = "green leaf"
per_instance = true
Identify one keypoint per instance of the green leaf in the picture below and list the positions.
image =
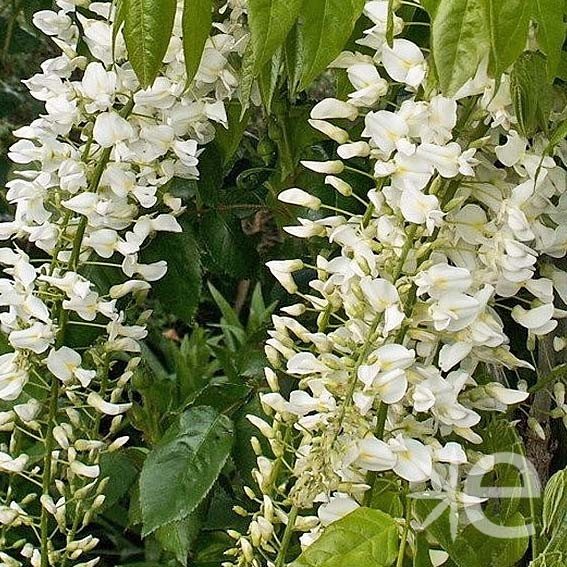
(197, 23)
(179, 290)
(121, 472)
(386, 496)
(550, 32)
(178, 537)
(194, 364)
(147, 30)
(431, 6)
(183, 466)
(230, 249)
(223, 396)
(558, 543)
(530, 93)
(211, 175)
(501, 437)
(557, 137)
(229, 314)
(118, 21)
(508, 24)
(293, 58)
(364, 538)
(421, 557)
(327, 26)
(459, 41)
(228, 139)
(471, 547)
(555, 502)
(247, 77)
(270, 22)
(269, 78)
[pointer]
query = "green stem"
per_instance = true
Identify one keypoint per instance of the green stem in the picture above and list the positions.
(46, 479)
(558, 373)
(292, 517)
(10, 30)
(74, 260)
(379, 433)
(405, 533)
(368, 215)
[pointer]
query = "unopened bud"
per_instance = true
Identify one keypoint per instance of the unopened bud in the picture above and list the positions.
(536, 428)
(249, 492)
(559, 393)
(48, 504)
(99, 501)
(300, 198)
(118, 443)
(268, 508)
(332, 166)
(247, 549)
(234, 534)
(330, 130)
(354, 149)
(264, 427)
(331, 108)
(339, 185)
(272, 379)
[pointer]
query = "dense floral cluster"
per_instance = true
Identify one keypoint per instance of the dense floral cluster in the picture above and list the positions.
(394, 347)
(91, 191)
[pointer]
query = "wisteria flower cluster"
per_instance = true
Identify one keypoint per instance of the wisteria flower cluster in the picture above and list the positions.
(91, 190)
(393, 348)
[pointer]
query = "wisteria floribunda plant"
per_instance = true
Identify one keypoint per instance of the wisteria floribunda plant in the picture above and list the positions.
(91, 189)
(388, 178)
(398, 347)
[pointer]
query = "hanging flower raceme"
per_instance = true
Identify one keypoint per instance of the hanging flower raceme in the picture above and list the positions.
(91, 190)
(390, 350)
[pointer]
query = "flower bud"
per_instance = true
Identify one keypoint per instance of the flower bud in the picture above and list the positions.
(99, 501)
(330, 130)
(94, 400)
(240, 511)
(536, 428)
(86, 471)
(341, 186)
(354, 149)
(233, 534)
(48, 504)
(331, 108)
(247, 549)
(294, 310)
(332, 167)
(60, 436)
(118, 443)
(300, 198)
(272, 379)
(249, 492)
(264, 427)
(268, 508)
(559, 393)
